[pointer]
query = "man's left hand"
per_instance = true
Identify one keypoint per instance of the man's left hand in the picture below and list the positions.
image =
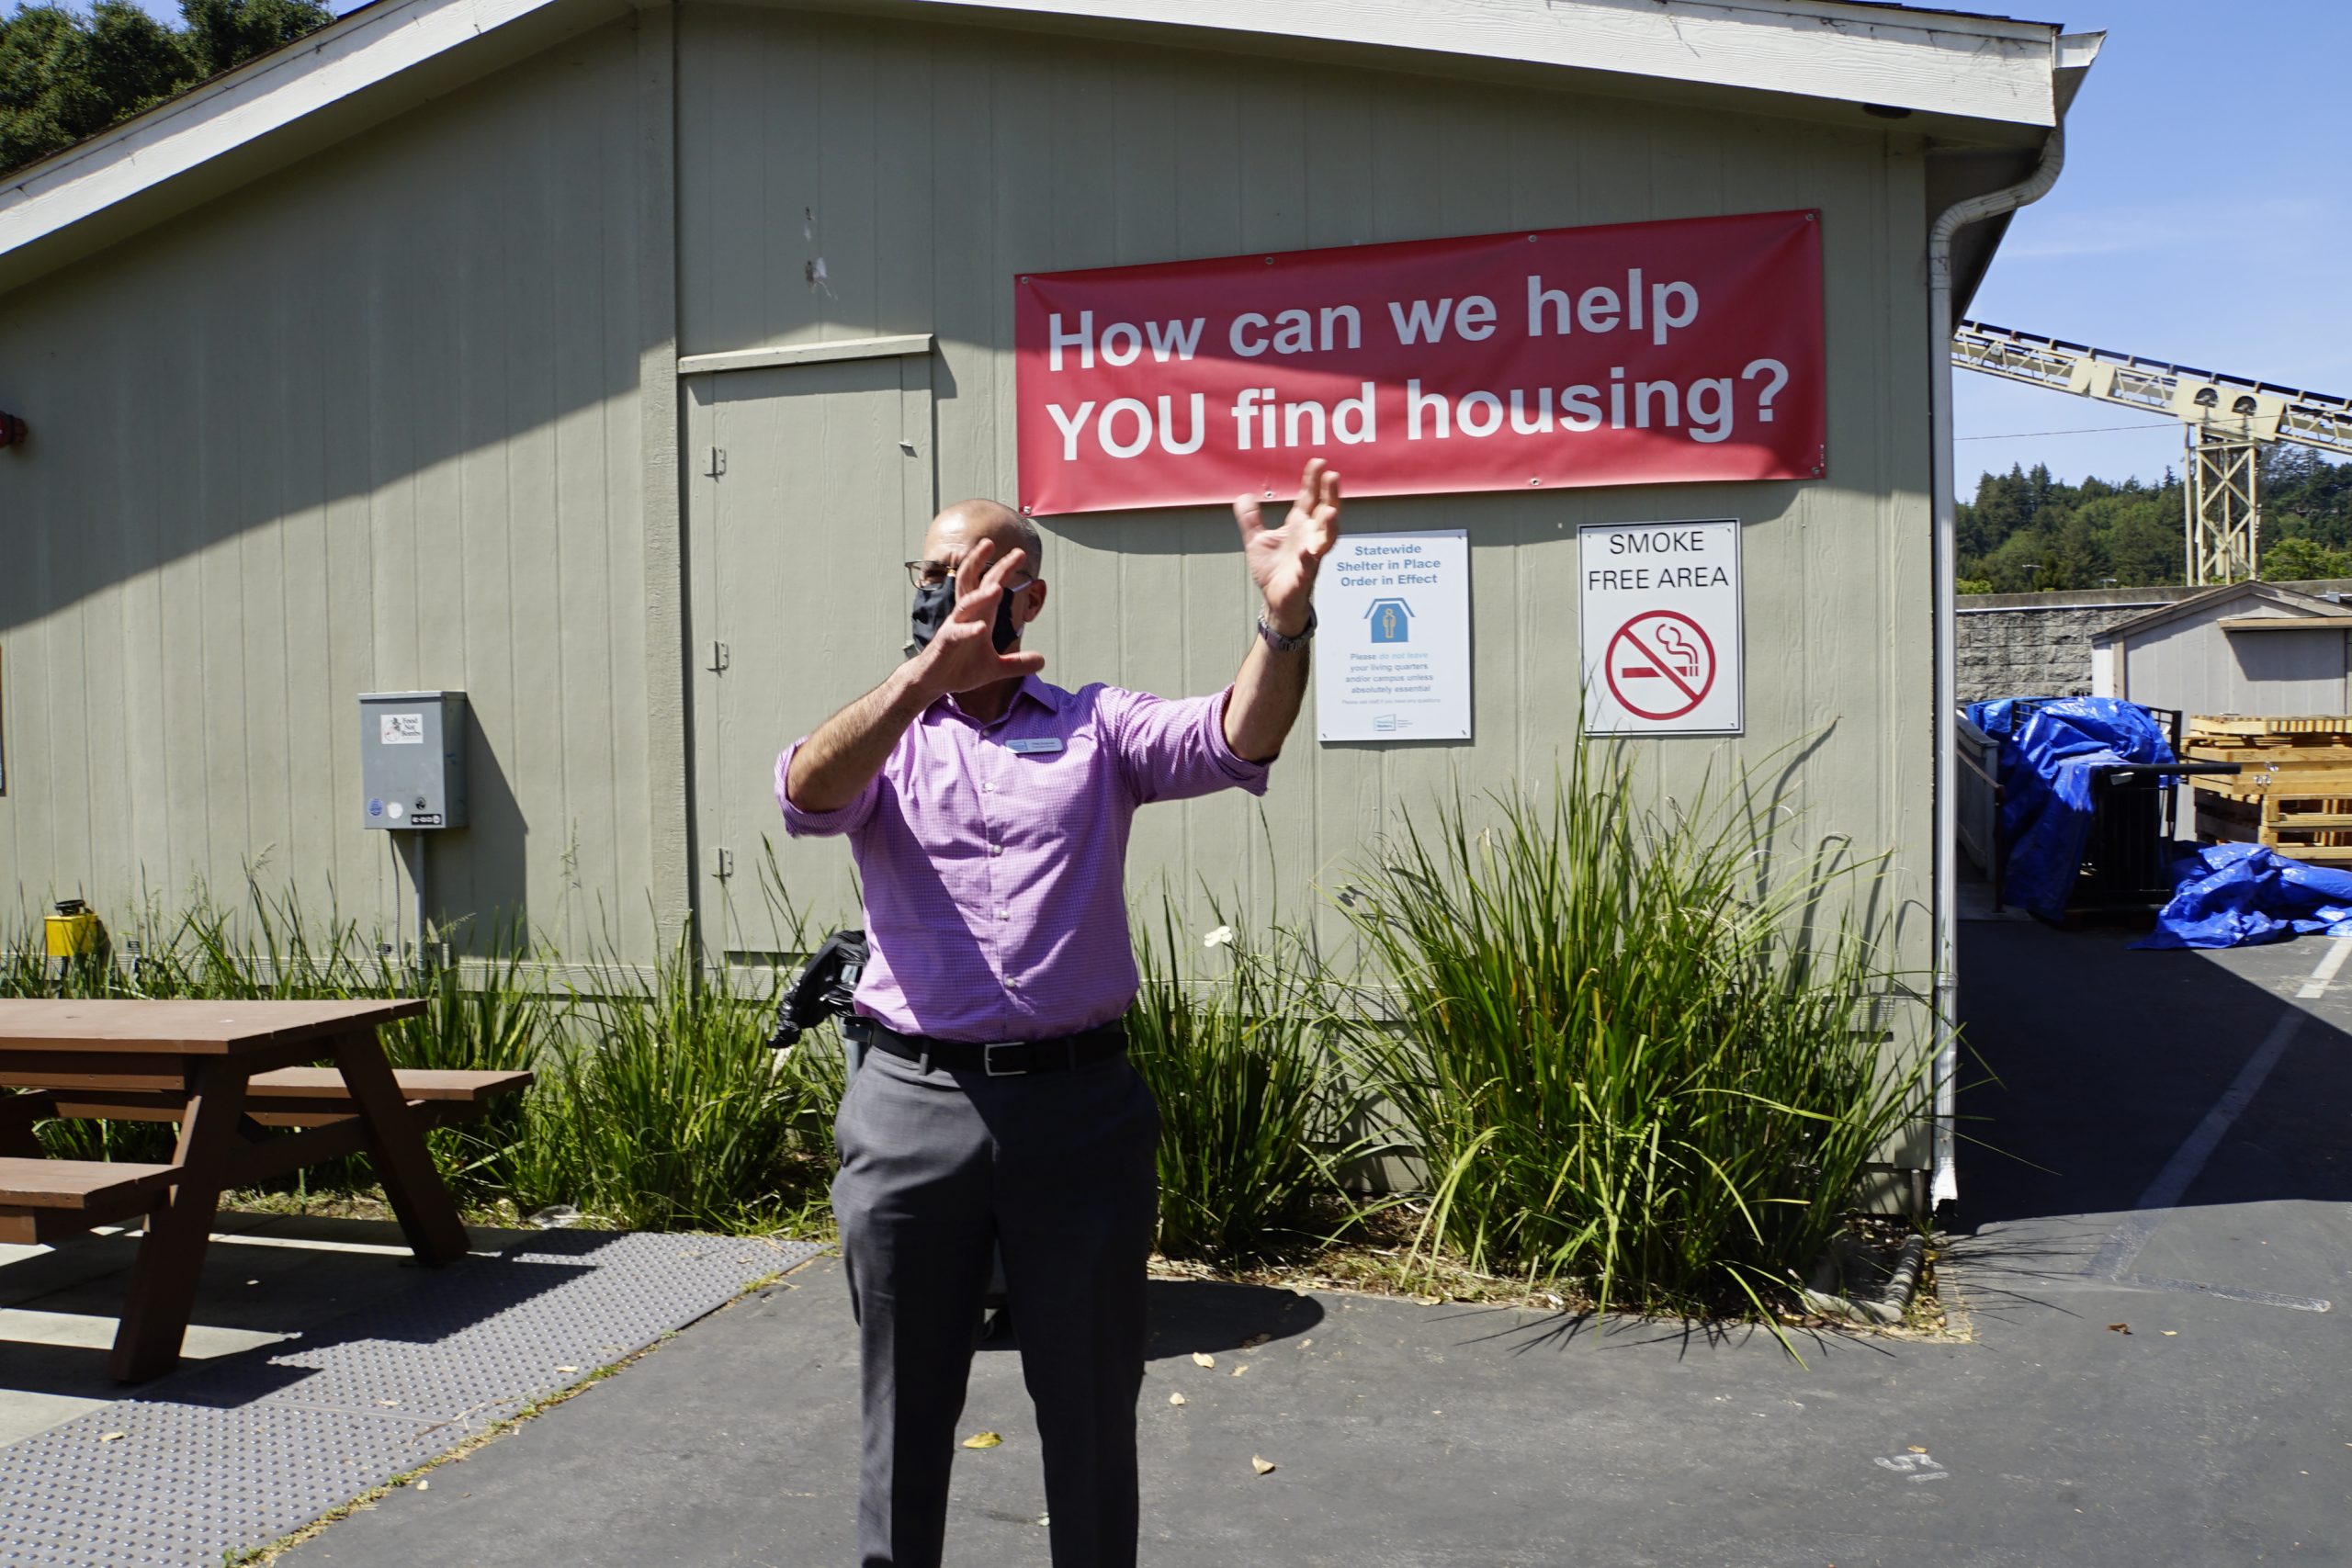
(1283, 561)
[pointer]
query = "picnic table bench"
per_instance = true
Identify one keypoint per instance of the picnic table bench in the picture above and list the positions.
(231, 1074)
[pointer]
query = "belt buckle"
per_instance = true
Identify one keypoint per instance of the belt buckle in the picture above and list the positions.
(988, 1060)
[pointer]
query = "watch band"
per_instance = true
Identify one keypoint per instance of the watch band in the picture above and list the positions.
(1281, 644)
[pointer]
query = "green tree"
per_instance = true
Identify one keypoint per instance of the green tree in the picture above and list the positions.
(2026, 530)
(224, 34)
(2303, 560)
(65, 76)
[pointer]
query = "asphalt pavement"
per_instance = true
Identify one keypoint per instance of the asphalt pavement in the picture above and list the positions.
(2150, 1279)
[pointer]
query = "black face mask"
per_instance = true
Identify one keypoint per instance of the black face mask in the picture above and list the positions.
(931, 607)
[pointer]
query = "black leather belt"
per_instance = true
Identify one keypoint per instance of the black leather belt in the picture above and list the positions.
(1001, 1058)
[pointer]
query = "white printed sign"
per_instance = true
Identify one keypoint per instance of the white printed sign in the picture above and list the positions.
(401, 730)
(1659, 605)
(1392, 645)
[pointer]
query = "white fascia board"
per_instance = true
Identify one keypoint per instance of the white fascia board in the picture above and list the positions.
(340, 59)
(822, 353)
(1927, 61)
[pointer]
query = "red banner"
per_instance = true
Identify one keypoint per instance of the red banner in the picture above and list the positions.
(1632, 354)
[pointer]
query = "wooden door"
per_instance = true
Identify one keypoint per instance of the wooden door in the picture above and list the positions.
(813, 484)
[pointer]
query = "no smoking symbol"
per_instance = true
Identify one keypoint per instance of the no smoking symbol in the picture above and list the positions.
(1660, 665)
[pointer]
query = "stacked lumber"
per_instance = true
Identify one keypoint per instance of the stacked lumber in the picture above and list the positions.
(2293, 790)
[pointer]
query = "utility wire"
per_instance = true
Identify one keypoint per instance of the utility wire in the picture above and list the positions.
(2080, 430)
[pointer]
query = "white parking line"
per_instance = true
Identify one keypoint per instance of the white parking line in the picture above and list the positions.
(2321, 977)
(2119, 1251)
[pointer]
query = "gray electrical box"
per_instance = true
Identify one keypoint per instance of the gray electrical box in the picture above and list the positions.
(413, 760)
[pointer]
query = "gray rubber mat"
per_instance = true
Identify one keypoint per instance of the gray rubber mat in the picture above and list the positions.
(239, 1450)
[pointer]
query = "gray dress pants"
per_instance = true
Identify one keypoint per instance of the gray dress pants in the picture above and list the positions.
(1057, 1169)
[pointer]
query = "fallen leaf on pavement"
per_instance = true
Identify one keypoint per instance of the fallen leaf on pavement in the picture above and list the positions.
(1176, 1399)
(982, 1440)
(1305, 1343)
(1241, 1369)
(1427, 1301)
(1263, 1466)
(2172, 1333)
(112, 1437)
(1916, 1449)
(1255, 1340)
(1203, 1358)
(2119, 1328)
(567, 1369)
(424, 1487)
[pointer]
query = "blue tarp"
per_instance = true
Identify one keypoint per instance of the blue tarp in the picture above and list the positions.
(2238, 895)
(1998, 717)
(2047, 765)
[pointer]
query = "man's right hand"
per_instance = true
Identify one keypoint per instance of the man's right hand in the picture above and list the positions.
(962, 654)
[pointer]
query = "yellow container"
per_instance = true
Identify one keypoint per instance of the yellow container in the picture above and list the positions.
(73, 932)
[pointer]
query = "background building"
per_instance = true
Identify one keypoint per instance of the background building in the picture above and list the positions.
(604, 361)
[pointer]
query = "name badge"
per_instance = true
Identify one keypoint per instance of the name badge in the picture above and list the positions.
(1033, 748)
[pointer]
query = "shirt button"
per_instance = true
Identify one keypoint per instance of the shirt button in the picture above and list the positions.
(1003, 914)
(996, 849)
(987, 789)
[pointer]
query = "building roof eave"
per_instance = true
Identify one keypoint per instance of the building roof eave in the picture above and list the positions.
(2304, 606)
(1978, 79)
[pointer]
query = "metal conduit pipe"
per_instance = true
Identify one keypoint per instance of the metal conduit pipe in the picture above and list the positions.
(1943, 1183)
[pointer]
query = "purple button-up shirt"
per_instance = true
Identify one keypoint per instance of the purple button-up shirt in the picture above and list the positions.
(994, 855)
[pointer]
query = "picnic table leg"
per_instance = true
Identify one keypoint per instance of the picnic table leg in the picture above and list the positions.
(17, 1114)
(428, 1215)
(170, 1254)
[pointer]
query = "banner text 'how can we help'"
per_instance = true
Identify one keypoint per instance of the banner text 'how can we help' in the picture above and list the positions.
(1632, 354)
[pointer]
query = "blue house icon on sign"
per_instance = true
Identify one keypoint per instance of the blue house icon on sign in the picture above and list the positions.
(1391, 620)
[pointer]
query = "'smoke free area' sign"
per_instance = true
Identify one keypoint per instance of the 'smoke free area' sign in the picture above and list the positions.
(1632, 354)
(1658, 609)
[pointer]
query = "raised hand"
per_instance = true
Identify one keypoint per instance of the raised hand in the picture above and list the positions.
(1283, 561)
(962, 654)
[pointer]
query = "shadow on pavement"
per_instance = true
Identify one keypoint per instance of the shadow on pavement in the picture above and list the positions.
(376, 1298)
(1189, 1316)
(2086, 1065)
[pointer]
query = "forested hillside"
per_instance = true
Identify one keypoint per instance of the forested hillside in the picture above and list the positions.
(2025, 531)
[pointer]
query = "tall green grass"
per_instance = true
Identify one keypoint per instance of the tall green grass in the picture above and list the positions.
(666, 1108)
(1630, 1048)
(1233, 1038)
(1627, 1049)
(657, 1102)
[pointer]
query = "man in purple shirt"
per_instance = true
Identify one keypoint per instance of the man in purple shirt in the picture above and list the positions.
(988, 812)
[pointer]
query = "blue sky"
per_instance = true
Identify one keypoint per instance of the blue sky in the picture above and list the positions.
(2201, 220)
(2204, 219)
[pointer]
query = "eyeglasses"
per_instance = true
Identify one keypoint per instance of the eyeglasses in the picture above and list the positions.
(931, 573)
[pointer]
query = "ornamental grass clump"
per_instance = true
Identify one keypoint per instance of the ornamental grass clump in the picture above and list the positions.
(1635, 1050)
(1233, 1036)
(662, 1108)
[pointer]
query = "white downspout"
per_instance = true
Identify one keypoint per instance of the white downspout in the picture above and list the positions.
(1943, 1183)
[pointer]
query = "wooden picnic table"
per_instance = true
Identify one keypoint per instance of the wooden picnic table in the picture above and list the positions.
(226, 1072)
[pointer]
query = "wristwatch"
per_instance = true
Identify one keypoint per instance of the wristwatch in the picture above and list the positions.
(1281, 644)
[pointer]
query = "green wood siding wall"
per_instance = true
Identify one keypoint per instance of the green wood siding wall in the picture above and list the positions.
(925, 168)
(396, 416)
(371, 424)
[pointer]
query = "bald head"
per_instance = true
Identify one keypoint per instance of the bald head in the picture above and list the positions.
(954, 532)
(966, 522)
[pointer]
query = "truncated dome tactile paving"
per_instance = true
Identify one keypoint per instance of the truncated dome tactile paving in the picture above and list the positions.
(239, 1450)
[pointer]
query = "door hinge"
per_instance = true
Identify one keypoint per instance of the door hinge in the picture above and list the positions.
(718, 462)
(717, 665)
(722, 863)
